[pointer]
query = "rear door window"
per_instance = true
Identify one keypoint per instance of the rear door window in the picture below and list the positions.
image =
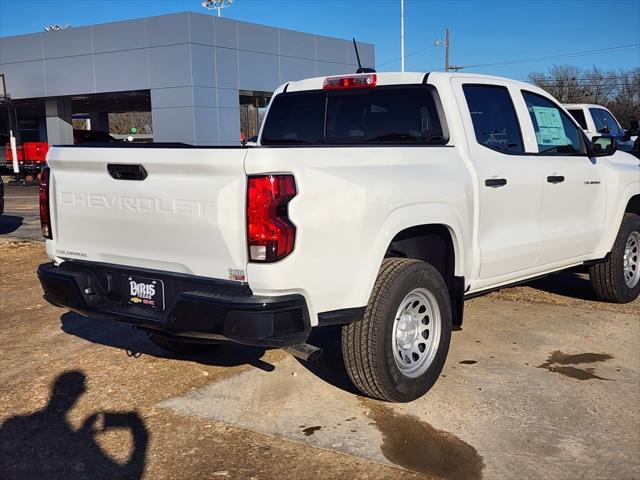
(404, 114)
(494, 118)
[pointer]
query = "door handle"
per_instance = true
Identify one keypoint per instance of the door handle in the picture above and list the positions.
(555, 179)
(495, 182)
(127, 171)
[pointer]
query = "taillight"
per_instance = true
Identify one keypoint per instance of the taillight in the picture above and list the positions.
(43, 194)
(368, 80)
(270, 233)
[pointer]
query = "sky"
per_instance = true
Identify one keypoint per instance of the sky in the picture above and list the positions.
(482, 32)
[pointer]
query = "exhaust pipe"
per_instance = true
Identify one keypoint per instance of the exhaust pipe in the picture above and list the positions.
(305, 352)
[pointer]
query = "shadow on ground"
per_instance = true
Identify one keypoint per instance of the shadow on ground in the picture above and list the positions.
(9, 223)
(135, 342)
(570, 283)
(330, 367)
(45, 445)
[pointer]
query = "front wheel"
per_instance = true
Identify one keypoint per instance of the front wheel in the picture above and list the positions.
(617, 279)
(398, 349)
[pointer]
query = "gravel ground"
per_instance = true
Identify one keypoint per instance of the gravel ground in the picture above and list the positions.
(568, 289)
(73, 406)
(117, 388)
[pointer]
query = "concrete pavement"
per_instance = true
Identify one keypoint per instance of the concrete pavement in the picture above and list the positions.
(528, 391)
(21, 218)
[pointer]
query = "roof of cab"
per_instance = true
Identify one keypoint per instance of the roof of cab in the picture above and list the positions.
(583, 105)
(398, 78)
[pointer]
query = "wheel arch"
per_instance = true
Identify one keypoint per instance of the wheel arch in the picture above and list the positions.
(432, 243)
(629, 203)
(633, 205)
(409, 233)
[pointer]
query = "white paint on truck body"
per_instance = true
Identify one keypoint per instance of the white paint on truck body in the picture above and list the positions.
(188, 215)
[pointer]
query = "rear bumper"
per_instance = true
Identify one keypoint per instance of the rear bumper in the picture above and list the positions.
(195, 307)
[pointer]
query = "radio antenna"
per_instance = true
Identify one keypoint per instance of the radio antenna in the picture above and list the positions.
(361, 69)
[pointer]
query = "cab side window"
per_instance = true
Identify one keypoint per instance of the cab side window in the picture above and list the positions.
(494, 118)
(578, 115)
(556, 134)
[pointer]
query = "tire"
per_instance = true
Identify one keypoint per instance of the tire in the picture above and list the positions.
(372, 351)
(609, 279)
(178, 346)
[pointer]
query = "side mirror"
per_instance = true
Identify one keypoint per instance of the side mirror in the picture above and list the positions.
(626, 136)
(603, 146)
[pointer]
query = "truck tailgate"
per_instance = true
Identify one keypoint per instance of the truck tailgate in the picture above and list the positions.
(186, 215)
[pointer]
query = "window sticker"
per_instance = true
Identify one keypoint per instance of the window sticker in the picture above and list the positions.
(550, 128)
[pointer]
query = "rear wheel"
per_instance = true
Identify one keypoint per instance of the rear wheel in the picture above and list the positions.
(617, 279)
(397, 351)
(178, 346)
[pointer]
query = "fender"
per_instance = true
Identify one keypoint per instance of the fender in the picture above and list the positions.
(614, 222)
(410, 216)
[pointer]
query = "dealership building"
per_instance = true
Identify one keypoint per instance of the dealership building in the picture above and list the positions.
(203, 78)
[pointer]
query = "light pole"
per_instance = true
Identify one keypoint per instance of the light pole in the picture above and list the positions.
(402, 35)
(216, 4)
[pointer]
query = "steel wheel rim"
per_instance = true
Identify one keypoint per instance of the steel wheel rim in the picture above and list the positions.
(631, 260)
(416, 332)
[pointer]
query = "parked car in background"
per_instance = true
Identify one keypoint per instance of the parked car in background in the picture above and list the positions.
(596, 120)
(31, 157)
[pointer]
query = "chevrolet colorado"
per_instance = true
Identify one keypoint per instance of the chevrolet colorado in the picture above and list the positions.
(376, 201)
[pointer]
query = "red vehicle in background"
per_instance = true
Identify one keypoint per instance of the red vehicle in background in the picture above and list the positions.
(32, 155)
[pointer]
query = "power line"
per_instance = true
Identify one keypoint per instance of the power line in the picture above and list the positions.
(612, 77)
(408, 55)
(586, 85)
(529, 60)
(553, 57)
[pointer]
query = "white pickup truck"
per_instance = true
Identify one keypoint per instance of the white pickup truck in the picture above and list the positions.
(376, 201)
(597, 120)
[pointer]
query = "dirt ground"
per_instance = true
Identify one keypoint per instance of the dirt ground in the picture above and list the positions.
(73, 406)
(105, 382)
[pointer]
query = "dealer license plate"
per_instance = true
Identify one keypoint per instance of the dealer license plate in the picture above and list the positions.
(146, 292)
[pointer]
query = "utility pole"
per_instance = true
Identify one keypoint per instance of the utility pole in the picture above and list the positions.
(402, 35)
(446, 50)
(447, 44)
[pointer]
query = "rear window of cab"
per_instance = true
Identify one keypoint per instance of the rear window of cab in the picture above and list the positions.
(388, 115)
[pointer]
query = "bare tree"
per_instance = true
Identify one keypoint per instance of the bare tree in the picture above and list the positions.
(618, 91)
(562, 81)
(122, 123)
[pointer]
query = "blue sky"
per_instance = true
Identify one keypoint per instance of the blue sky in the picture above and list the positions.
(482, 31)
